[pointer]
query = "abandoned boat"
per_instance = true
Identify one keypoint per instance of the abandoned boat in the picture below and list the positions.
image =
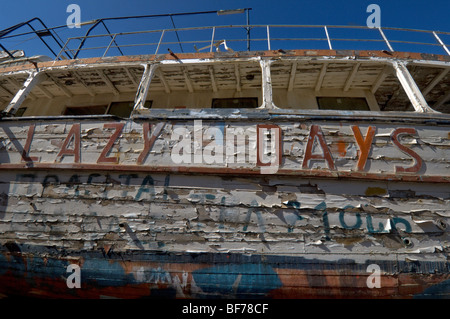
(225, 173)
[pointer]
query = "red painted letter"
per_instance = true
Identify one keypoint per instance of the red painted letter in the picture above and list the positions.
(271, 161)
(102, 158)
(417, 159)
(364, 145)
(74, 134)
(149, 140)
(317, 132)
(26, 149)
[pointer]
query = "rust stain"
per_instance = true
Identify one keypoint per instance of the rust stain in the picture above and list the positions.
(373, 191)
(212, 55)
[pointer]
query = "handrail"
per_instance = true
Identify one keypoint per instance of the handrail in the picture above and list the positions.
(329, 39)
(215, 39)
(39, 33)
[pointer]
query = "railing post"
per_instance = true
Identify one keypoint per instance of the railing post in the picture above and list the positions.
(144, 84)
(441, 43)
(110, 43)
(266, 84)
(411, 89)
(328, 38)
(19, 98)
(62, 49)
(159, 43)
(212, 39)
(248, 29)
(268, 38)
(386, 40)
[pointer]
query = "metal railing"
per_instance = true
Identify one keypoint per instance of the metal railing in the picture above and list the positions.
(268, 37)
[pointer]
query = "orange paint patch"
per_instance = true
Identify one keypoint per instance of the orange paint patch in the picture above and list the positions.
(342, 148)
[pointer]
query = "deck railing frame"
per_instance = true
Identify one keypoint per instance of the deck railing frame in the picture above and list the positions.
(435, 35)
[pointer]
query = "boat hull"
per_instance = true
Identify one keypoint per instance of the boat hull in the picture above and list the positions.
(42, 272)
(341, 208)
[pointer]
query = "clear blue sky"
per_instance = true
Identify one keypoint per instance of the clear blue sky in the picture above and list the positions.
(428, 15)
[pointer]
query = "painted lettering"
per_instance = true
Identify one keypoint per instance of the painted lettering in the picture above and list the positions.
(269, 157)
(326, 223)
(370, 229)
(149, 140)
(316, 133)
(364, 145)
(75, 135)
(26, 149)
(89, 181)
(216, 146)
(50, 179)
(398, 220)
(103, 156)
(74, 181)
(147, 186)
(128, 178)
(357, 224)
(417, 159)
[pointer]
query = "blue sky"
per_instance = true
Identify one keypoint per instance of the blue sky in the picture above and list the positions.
(428, 15)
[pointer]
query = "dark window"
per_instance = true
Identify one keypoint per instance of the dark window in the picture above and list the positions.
(124, 109)
(19, 112)
(121, 109)
(235, 103)
(86, 110)
(343, 103)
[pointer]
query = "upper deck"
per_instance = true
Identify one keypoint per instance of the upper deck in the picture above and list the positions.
(90, 79)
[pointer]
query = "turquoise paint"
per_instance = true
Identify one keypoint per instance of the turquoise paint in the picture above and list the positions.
(358, 222)
(237, 279)
(398, 220)
(147, 186)
(104, 273)
(438, 291)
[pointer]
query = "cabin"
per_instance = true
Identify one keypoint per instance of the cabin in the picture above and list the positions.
(292, 80)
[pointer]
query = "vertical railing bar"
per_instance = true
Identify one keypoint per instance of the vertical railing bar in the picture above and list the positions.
(109, 46)
(386, 40)
(159, 43)
(212, 39)
(441, 43)
(62, 49)
(328, 38)
(268, 38)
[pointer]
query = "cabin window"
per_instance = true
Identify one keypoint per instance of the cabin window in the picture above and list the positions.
(235, 103)
(20, 112)
(124, 109)
(120, 109)
(343, 103)
(86, 110)
(201, 85)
